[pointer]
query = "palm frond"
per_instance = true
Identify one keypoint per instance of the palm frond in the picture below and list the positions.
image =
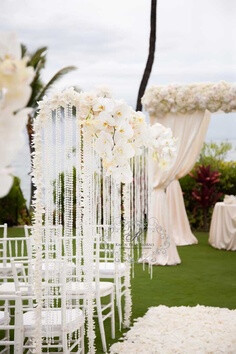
(54, 79)
(23, 50)
(38, 56)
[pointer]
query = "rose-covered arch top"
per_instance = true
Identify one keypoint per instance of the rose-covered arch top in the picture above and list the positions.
(177, 98)
(118, 131)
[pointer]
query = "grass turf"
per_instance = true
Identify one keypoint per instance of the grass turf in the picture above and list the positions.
(206, 276)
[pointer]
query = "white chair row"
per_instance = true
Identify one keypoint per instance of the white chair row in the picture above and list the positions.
(108, 267)
(66, 324)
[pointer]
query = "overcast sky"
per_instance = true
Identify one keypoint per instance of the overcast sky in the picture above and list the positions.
(108, 41)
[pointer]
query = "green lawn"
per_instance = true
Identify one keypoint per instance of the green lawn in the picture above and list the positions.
(206, 276)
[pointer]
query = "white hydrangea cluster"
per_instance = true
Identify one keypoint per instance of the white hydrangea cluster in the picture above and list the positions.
(15, 91)
(175, 98)
(119, 132)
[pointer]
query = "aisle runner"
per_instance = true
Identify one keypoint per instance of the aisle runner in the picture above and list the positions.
(182, 330)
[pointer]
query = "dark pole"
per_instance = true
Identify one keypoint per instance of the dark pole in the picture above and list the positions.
(151, 55)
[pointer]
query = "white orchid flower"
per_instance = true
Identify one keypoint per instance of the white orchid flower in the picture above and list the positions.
(105, 120)
(123, 173)
(104, 145)
(121, 112)
(123, 151)
(103, 104)
(123, 132)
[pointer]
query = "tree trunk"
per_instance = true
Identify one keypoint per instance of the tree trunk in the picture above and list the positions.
(151, 55)
(30, 131)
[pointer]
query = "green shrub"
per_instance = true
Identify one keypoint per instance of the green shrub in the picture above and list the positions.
(212, 154)
(13, 209)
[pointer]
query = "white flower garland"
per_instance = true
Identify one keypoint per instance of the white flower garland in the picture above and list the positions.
(37, 179)
(176, 98)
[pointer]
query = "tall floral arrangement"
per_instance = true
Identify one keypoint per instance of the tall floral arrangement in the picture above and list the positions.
(15, 79)
(103, 140)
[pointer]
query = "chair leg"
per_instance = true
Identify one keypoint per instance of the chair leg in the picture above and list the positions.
(112, 315)
(101, 324)
(64, 343)
(82, 339)
(118, 300)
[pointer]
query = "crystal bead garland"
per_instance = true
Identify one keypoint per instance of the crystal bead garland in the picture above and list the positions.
(127, 252)
(79, 196)
(37, 231)
(68, 200)
(89, 231)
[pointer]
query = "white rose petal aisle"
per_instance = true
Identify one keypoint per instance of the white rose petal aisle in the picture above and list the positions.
(181, 330)
(90, 166)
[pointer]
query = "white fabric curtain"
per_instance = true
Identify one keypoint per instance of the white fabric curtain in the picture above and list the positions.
(188, 129)
(181, 229)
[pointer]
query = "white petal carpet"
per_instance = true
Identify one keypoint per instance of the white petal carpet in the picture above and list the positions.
(181, 330)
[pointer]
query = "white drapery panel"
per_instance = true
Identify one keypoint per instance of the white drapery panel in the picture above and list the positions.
(181, 229)
(188, 129)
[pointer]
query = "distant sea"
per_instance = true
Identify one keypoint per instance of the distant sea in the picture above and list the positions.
(21, 165)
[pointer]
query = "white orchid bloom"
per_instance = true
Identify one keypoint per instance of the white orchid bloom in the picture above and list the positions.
(103, 104)
(103, 145)
(123, 132)
(122, 174)
(122, 152)
(121, 112)
(105, 121)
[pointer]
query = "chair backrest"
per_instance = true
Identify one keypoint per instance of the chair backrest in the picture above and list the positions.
(50, 245)
(3, 245)
(5, 326)
(23, 279)
(17, 248)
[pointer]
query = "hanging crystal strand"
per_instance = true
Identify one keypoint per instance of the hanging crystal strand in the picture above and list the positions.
(99, 197)
(58, 189)
(38, 207)
(68, 198)
(133, 213)
(88, 238)
(116, 222)
(79, 208)
(127, 251)
(104, 203)
(143, 210)
(149, 189)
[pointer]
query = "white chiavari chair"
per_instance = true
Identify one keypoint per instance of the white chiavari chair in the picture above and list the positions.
(49, 252)
(65, 324)
(8, 326)
(110, 263)
(101, 290)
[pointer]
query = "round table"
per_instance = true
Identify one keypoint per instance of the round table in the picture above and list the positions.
(223, 227)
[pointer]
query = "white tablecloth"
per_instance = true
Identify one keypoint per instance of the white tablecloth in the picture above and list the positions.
(223, 226)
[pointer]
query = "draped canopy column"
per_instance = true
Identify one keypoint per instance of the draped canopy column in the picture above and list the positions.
(168, 207)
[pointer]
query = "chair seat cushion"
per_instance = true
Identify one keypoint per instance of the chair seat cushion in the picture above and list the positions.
(4, 318)
(8, 288)
(109, 268)
(74, 320)
(78, 288)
